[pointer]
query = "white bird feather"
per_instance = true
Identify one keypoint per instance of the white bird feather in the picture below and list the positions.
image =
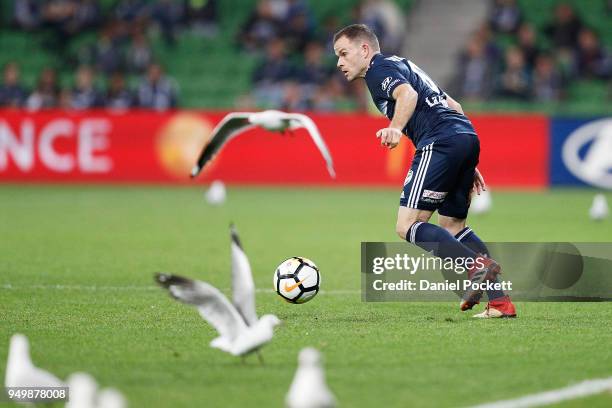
(243, 286)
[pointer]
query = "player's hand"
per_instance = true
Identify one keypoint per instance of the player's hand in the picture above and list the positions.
(479, 183)
(389, 137)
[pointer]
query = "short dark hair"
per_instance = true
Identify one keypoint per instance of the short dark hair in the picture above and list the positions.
(358, 31)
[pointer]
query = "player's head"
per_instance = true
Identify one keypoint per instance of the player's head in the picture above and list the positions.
(355, 45)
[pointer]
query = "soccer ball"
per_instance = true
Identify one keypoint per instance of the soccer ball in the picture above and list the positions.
(297, 280)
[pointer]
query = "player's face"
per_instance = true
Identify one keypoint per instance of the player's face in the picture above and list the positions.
(353, 57)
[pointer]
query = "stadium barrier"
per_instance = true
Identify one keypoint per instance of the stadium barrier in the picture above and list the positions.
(147, 147)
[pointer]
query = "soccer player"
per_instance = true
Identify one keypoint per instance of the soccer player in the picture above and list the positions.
(443, 172)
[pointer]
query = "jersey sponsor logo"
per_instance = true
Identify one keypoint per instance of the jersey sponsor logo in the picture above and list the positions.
(435, 197)
(391, 86)
(586, 153)
(385, 83)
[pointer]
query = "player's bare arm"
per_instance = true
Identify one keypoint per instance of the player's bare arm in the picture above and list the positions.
(406, 100)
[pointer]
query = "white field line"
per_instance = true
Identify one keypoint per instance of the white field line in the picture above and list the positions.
(95, 288)
(583, 389)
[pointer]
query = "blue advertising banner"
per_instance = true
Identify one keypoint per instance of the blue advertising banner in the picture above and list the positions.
(581, 152)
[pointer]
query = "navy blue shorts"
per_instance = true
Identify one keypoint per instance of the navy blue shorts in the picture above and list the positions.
(441, 176)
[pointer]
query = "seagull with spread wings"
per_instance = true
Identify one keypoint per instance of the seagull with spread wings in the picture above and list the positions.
(237, 123)
(240, 330)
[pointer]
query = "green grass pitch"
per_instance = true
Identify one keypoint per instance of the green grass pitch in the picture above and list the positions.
(76, 271)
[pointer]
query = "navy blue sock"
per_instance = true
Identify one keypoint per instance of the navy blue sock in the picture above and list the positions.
(469, 238)
(439, 241)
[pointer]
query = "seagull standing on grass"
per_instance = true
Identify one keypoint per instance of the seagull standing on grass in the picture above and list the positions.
(84, 393)
(240, 331)
(237, 123)
(21, 372)
(309, 389)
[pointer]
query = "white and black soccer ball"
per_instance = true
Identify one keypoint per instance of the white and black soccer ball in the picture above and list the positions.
(297, 280)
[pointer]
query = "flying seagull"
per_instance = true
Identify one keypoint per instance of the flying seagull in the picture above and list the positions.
(84, 393)
(240, 331)
(21, 372)
(235, 336)
(309, 389)
(237, 123)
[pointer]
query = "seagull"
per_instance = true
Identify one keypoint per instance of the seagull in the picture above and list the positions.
(599, 209)
(21, 372)
(235, 336)
(216, 194)
(240, 331)
(234, 124)
(481, 203)
(309, 389)
(84, 393)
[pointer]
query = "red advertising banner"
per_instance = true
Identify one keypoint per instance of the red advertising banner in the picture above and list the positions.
(147, 147)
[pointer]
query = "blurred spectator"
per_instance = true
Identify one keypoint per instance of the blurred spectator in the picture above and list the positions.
(298, 31)
(505, 16)
(330, 26)
(46, 93)
(314, 71)
(590, 58)
(58, 16)
(261, 27)
(274, 67)
(156, 91)
(106, 54)
(26, 14)
(270, 74)
(367, 15)
(563, 31)
(527, 42)
(84, 94)
(492, 50)
(69, 17)
(168, 14)
(280, 9)
(475, 71)
(294, 98)
(87, 15)
(547, 81)
(12, 93)
(326, 96)
(129, 11)
(64, 99)
(202, 16)
(388, 22)
(118, 96)
(514, 80)
(139, 54)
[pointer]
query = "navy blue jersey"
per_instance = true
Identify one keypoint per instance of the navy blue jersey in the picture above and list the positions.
(432, 119)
